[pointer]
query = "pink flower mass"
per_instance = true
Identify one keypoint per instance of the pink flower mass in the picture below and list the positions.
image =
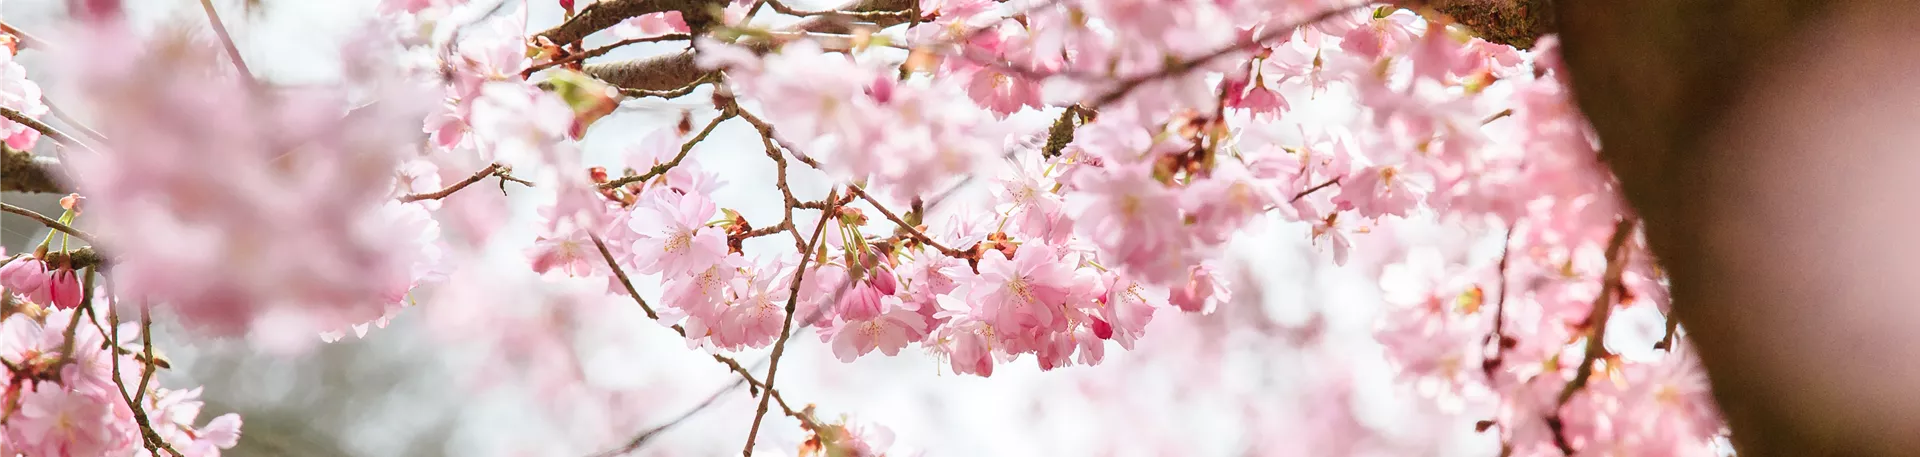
(981, 182)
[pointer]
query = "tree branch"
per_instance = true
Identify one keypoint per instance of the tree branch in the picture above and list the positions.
(685, 148)
(674, 71)
(21, 171)
(48, 130)
(233, 52)
(1596, 324)
(910, 229)
(504, 172)
(47, 221)
(786, 330)
(605, 14)
(1516, 23)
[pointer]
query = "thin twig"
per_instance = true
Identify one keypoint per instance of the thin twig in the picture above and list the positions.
(1499, 336)
(786, 330)
(643, 437)
(595, 52)
(1183, 67)
(504, 172)
(70, 121)
(910, 229)
(1673, 326)
(621, 275)
(685, 148)
(1596, 327)
(31, 41)
(233, 52)
(782, 8)
(1316, 187)
(1497, 116)
(48, 130)
(47, 221)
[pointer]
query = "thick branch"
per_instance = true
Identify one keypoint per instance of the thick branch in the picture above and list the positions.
(605, 14)
(21, 171)
(1516, 23)
(674, 71)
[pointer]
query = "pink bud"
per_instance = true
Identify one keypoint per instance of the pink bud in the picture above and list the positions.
(1102, 329)
(64, 291)
(24, 276)
(882, 88)
(861, 303)
(882, 279)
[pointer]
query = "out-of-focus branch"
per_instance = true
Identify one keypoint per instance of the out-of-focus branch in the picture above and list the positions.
(642, 438)
(233, 51)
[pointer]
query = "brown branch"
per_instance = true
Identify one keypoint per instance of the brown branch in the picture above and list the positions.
(643, 437)
(48, 130)
(21, 171)
(1596, 324)
(1517, 23)
(901, 16)
(595, 52)
(1061, 133)
(675, 71)
(503, 171)
(47, 221)
(621, 274)
(28, 39)
(1666, 341)
(1182, 67)
(151, 440)
(786, 330)
(1310, 190)
(910, 229)
(685, 148)
(604, 14)
(1499, 336)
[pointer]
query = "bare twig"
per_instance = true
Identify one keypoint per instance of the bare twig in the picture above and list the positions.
(786, 330)
(1182, 67)
(233, 52)
(685, 148)
(503, 171)
(47, 221)
(1499, 336)
(48, 130)
(1666, 341)
(910, 229)
(1310, 190)
(1596, 324)
(643, 437)
(621, 274)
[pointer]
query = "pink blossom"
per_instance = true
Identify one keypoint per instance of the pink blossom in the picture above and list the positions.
(28, 277)
(53, 421)
(888, 332)
(1204, 291)
(674, 238)
(1127, 213)
(64, 290)
(1025, 291)
(758, 311)
(650, 25)
(19, 94)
